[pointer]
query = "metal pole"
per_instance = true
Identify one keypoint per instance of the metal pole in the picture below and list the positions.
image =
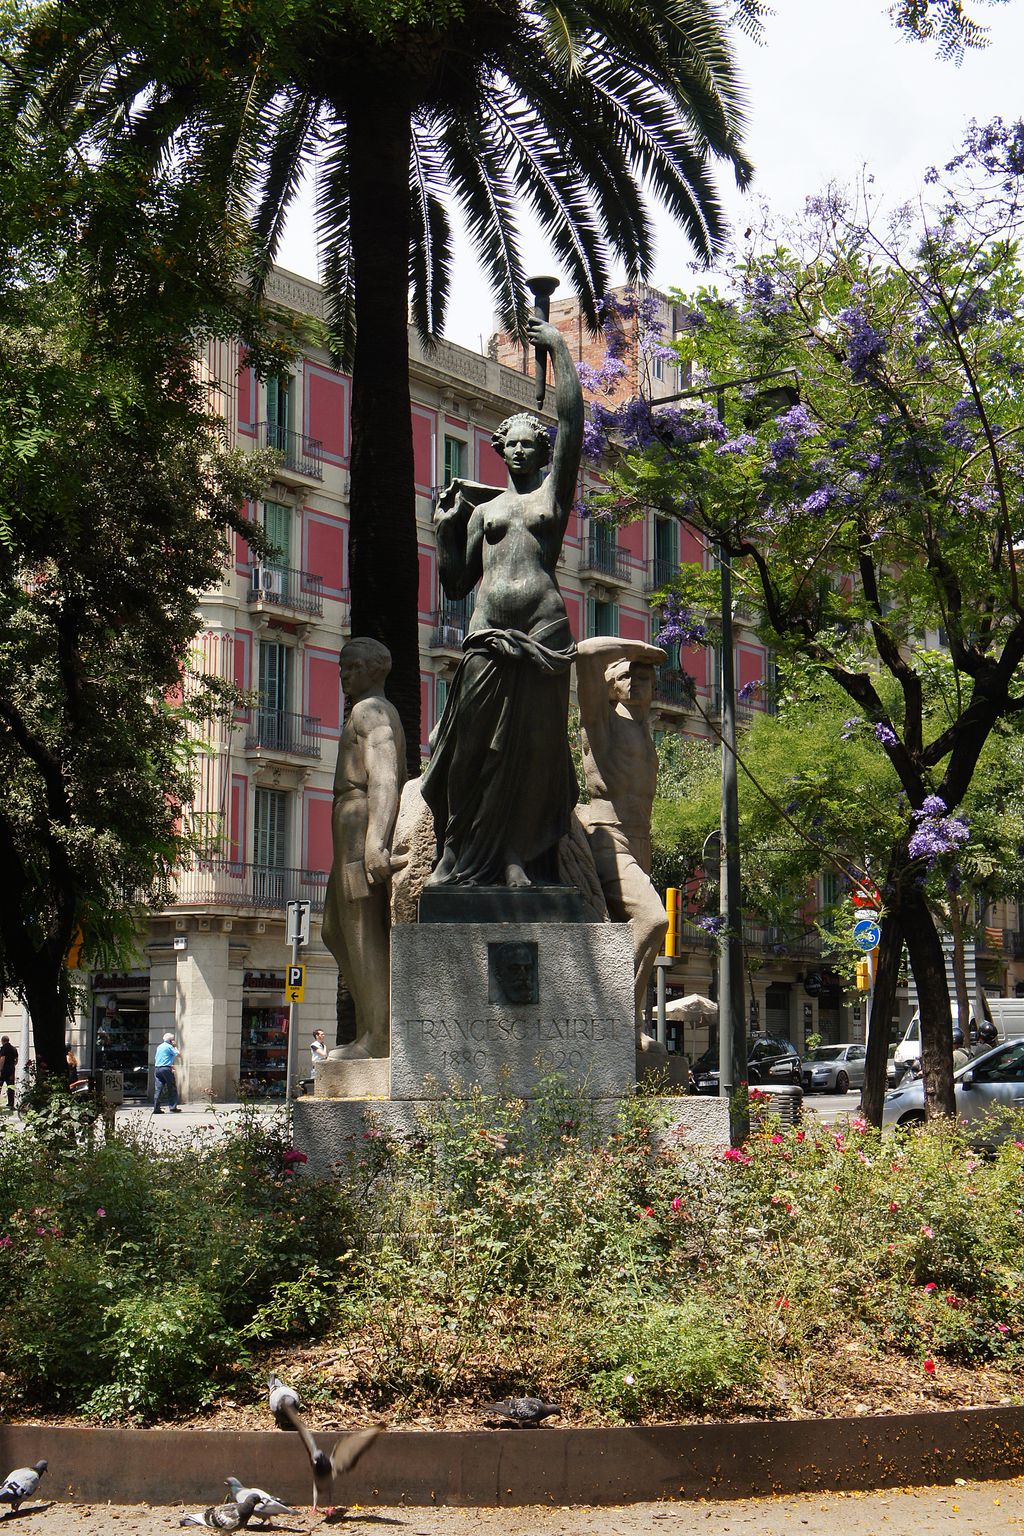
(662, 965)
(732, 1046)
(293, 1024)
(24, 1047)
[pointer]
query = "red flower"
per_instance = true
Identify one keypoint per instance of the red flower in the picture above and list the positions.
(931, 1286)
(929, 1366)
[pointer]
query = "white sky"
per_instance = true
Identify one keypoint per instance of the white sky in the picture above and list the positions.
(833, 87)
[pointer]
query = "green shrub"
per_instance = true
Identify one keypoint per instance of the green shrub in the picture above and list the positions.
(161, 1350)
(670, 1358)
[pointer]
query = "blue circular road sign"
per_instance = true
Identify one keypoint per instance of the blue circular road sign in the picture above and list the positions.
(866, 933)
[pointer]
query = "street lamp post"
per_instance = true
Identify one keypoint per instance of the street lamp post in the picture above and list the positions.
(732, 1034)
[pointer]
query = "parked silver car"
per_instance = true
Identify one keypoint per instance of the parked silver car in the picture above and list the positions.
(988, 1083)
(834, 1069)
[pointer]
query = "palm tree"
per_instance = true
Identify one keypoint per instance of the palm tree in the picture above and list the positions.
(573, 111)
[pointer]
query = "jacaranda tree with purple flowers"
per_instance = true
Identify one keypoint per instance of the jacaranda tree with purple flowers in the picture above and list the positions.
(877, 526)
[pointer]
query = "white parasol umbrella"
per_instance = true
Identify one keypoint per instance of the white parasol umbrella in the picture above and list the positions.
(691, 1009)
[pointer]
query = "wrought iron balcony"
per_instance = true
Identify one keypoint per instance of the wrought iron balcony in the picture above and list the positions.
(660, 574)
(278, 730)
(601, 555)
(672, 688)
(279, 586)
(247, 887)
(304, 455)
(451, 626)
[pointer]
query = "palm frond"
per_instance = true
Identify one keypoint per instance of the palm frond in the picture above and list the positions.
(291, 145)
(333, 228)
(430, 242)
(476, 165)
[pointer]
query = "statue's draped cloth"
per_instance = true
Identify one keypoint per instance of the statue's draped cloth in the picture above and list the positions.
(500, 774)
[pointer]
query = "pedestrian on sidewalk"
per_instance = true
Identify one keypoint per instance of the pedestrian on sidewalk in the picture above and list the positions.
(8, 1064)
(167, 1054)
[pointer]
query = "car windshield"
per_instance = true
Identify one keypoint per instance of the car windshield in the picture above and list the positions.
(709, 1061)
(827, 1053)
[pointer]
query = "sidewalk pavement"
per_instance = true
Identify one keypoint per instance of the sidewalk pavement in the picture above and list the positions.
(190, 1118)
(975, 1509)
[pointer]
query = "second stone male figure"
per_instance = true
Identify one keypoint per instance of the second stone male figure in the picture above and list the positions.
(615, 687)
(367, 788)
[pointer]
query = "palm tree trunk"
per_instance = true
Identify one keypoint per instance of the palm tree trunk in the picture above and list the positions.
(384, 568)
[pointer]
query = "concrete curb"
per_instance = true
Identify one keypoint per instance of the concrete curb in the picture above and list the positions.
(545, 1466)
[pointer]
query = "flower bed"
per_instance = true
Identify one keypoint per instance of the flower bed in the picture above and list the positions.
(511, 1248)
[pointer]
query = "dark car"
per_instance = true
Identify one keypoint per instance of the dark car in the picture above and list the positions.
(769, 1060)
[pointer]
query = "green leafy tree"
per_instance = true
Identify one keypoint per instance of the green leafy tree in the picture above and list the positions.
(946, 23)
(817, 796)
(877, 523)
(116, 498)
(405, 107)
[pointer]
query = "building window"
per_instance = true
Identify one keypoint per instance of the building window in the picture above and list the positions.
(454, 459)
(602, 618)
(279, 412)
(666, 550)
(274, 679)
(270, 846)
(440, 696)
(277, 525)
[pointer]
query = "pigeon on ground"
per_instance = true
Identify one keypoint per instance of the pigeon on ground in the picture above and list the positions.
(21, 1484)
(284, 1405)
(347, 1451)
(266, 1504)
(523, 1412)
(225, 1517)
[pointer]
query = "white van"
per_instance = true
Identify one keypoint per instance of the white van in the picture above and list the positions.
(909, 1048)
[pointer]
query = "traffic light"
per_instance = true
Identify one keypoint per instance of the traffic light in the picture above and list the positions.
(672, 908)
(863, 975)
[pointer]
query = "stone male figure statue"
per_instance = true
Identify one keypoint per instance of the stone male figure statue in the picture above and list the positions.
(615, 688)
(367, 788)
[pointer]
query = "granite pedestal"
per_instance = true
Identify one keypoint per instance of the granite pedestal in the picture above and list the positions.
(497, 1006)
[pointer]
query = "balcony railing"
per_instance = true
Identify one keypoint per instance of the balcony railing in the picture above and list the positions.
(450, 627)
(600, 556)
(278, 730)
(660, 574)
(765, 937)
(248, 887)
(282, 587)
(673, 688)
(304, 455)
(1013, 943)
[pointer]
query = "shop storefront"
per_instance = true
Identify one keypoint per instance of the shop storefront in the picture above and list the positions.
(263, 1062)
(119, 1028)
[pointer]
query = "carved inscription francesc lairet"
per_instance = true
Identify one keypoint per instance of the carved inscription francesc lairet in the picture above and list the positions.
(458, 1044)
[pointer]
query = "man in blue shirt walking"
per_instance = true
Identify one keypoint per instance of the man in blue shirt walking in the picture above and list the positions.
(167, 1054)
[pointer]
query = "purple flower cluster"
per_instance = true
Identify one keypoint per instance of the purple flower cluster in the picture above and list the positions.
(820, 500)
(679, 627)
(738, 444)
(885, 734)
(750, 690)
(850, 727)
(864, 344)
(997, 147)
(712, 925)
(955, 429)
(764, 297)
(601, 381)
(936, 832)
